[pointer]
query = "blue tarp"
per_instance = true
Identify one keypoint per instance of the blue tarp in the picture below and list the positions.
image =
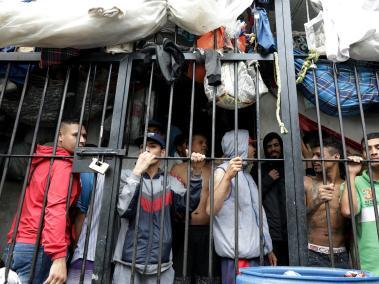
(368, 86)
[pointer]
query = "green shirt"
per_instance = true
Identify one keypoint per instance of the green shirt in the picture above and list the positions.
(367, 235)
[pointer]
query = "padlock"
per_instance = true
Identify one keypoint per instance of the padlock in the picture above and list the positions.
(98, 166)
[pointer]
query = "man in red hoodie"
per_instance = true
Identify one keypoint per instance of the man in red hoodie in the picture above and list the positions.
(51, 258)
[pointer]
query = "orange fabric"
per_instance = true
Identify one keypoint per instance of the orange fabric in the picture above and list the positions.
(206, 41)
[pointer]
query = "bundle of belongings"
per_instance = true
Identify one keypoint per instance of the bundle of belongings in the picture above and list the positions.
(219, 78)
(345, 29)
(61, 24)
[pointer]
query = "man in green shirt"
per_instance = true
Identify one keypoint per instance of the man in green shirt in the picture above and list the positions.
(363, 203)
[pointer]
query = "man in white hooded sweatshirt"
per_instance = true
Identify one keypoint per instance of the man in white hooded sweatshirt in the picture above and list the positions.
(248, 210)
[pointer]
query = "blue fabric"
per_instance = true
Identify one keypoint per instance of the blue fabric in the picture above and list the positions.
(346, 84)
(17, 72)
(264, 35)
(22, 263)
(86, 180)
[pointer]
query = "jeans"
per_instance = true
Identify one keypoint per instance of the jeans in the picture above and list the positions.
(341, 260)
(228, 269)
(122, 274)
(22, 263)
(75, 269)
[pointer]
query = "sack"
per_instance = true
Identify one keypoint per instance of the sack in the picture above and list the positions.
(60, 24)
(225, 97)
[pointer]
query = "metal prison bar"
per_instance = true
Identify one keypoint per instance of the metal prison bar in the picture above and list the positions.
(9, 258)
(345, 160)
(102, 269)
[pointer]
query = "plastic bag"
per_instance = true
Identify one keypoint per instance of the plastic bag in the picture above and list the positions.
(315, 34)
(225, 97)
(87, 24)
(334, 33)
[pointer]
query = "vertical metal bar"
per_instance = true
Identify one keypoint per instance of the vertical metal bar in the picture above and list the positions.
(72, 175)
(211, 181)
(296, 211)
(344, 153)
(91, 96)
(324, 179)
(90, 211)
(5, 83)
(161, 232)
(105, 106)
(236, 201)
(26, 178)
(261, 238)
(135, 236)
(190, 136)
(88, 229)
(76, 145)
(102, 264)
(46, 191)
(212, 187)
(78, 136)
(14, 131)
(364, 130)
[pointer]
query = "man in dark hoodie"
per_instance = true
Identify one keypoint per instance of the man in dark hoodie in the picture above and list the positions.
(147, 170)
(274, 195)
(55, 237)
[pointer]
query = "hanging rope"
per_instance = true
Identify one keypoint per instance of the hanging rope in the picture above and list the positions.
(309, 62)
(283, 129)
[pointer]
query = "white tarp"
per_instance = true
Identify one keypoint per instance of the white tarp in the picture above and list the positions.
(345, 29)
(94, 23)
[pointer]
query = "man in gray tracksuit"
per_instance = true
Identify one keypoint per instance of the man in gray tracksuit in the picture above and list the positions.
(147, 167)
(248, 210)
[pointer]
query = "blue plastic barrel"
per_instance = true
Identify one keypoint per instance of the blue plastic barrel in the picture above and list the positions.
(274, 275)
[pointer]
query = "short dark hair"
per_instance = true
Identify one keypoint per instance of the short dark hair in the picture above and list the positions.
(70, 121)
(332, 143)
(180, 139)
(369, 136)
(199, 133)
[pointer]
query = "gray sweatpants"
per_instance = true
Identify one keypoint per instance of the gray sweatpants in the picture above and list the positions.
(122, 275)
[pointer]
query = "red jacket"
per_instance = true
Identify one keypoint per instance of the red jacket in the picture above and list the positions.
(56, 231)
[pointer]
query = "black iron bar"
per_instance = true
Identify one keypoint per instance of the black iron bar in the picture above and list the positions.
(161, 232)
(135, 236)
(190, 136)
(91, 96)
(364, 130)
(261, 236)
(84, 101)
(92, 202)
(102, 267)
(236, 201)
(118, 124)
(14, 131)
(26, 178)
(357, 262)
(6, 78)
(212, 186)
(78, 136)
(46, 191)
(324, 179)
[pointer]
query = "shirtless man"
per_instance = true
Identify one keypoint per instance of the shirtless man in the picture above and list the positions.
(198, 234)
(317, 194)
